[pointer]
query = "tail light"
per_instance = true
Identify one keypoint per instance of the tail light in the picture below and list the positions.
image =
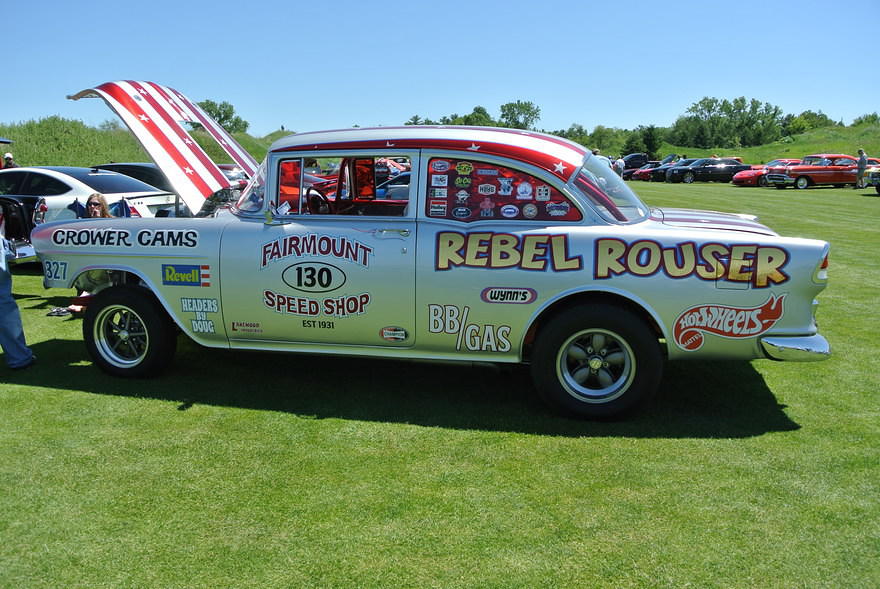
(821, 274)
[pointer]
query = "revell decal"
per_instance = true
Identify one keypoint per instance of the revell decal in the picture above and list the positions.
(725, 321)
(502, 250)
(509, 294)
(186, 275)
(759, 265)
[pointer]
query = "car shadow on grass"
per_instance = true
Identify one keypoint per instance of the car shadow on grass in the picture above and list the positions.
(696, 400)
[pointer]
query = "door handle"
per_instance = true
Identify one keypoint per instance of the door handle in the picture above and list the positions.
(386, 233)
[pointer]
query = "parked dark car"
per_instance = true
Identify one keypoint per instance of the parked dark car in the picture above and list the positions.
(707, 169)
(634, 161)
(658, 174)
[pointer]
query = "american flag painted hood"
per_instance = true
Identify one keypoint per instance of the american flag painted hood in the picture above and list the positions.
(154, 114)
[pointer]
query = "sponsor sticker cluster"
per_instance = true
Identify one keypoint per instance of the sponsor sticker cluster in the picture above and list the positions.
(468, 191)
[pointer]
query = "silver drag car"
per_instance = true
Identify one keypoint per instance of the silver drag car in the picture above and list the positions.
(503, 246)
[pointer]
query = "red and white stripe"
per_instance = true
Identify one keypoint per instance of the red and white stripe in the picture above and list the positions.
(205, 275)
(153, 113)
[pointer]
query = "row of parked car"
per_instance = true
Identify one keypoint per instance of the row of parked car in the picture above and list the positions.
(813, 170)
(33, 195)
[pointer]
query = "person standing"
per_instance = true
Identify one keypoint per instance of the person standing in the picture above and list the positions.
(18, 355)
(8, 161)
(860, 169)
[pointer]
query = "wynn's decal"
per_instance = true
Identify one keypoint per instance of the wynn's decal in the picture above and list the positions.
(725, 321)
(312, 244)
(507, 294)
(123, 237)
(201, 308)
(758, 264)
(502, 250)
(451, 320)
(307, 307)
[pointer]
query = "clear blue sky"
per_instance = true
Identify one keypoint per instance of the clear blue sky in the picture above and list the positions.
(321, 65)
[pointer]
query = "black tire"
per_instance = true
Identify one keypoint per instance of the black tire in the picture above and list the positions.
(128, 333)
(596, 361)
(802, 183)
(688, 178)
(762, 181)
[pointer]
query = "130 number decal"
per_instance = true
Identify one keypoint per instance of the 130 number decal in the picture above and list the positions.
(313, 277)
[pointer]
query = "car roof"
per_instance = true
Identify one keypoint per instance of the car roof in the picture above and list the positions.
(830, 155)
(87, 177)
(557, 155)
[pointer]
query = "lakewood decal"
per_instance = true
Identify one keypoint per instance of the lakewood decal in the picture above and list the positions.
(312, 244)
(186, 275)
(474, 337)
(724, 321)
(757, 264)
(538, 252)
(510, 295)
(123, 238)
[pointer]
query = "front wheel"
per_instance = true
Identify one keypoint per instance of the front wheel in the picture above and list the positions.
(596, 361)
(762, 181)
(802, 182)
(127, 333)
(688, 178)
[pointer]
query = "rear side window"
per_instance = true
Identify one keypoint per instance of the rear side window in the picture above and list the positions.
(9, 182)
(43, 185)
(467, 191)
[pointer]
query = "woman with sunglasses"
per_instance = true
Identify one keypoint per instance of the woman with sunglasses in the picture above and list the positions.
(96, 206)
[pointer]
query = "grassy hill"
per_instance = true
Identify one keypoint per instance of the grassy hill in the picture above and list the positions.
(57, 141)
(824, 140)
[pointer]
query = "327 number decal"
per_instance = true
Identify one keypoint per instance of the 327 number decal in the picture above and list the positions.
(55, 270)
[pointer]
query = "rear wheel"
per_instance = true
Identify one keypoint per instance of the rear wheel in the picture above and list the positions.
(802, 182)
(688, 178)
(127, 333)
(762, 181)
(596, 361)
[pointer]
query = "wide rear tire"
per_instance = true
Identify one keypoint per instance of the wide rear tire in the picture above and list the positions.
(596, 361)
(128, 333)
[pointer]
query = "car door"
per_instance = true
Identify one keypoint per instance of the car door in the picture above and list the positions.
(345, 276)
(844, 171)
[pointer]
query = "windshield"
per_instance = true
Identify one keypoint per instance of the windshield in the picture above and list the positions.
(251, 199)
(608, 193)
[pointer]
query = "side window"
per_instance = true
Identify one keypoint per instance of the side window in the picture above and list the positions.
(364, 185)
(844, 162)
(468, 191)
(9, 182)
(42, 185)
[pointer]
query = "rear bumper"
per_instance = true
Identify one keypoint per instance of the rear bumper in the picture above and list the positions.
(24, 252)
(796, 349)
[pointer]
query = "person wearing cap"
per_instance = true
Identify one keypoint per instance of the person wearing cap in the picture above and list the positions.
(8, 162)
(860, 172)
(15, 350)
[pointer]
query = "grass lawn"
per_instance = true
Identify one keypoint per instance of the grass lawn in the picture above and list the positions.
(261, 470)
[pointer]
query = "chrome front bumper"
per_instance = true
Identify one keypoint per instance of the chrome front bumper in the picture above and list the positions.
(780, 179)
(796, 349)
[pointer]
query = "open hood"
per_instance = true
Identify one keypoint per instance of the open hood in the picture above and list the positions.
(154, 114)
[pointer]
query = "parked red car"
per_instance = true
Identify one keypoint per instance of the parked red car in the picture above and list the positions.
(757, 176)
(823, 168)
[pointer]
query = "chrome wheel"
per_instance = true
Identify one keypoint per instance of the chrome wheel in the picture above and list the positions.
(688, 178)
(120, 336)
(595, 365)
(802, 182)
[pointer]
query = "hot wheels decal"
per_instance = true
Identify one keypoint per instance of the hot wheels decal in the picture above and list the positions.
(724, 321)
(186, 275)
(509, 294)
(758, 264)
(503, 250)
(451, 320)
(312, 244)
